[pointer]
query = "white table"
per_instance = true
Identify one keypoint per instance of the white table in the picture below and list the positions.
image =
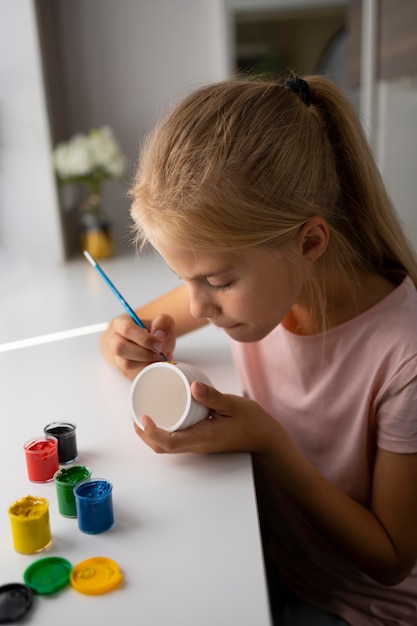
(38, 299)
(186, 533)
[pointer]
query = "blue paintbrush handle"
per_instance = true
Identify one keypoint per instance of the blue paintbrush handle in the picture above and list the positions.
(118, 295)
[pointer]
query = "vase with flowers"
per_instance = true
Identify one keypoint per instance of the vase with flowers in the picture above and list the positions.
(91, 159)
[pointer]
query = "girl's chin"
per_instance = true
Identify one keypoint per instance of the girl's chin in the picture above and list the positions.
(246, 333)
(243, 332)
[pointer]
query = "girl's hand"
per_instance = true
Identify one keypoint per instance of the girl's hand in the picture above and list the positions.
(130, 348)
(236, 425)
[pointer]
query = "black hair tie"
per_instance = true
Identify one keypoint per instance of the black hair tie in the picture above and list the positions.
(300, 87)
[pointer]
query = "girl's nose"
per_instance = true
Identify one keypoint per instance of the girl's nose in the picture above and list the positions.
(202, 305)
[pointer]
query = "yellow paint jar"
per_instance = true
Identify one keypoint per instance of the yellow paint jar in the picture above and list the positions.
(29, 520)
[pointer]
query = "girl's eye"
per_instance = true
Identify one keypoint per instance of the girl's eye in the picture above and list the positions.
(223, 287)
(220, 287)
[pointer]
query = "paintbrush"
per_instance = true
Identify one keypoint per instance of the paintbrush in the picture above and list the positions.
(118, 295)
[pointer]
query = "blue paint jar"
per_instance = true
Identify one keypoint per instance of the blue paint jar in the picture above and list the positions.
(94, 504)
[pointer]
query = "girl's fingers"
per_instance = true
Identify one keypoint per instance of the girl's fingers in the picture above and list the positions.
(198, 438)
(219, 403)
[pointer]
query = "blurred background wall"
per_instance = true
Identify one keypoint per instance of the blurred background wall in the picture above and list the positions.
(68, 66)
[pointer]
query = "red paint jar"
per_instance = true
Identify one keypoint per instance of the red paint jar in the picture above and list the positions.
(41, 458)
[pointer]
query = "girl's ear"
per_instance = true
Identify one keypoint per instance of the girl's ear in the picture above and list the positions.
(313, 238)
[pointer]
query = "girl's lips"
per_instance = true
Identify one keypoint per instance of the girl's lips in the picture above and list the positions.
(228, 327)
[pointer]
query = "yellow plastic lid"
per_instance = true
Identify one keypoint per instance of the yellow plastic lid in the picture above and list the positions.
(96, 575)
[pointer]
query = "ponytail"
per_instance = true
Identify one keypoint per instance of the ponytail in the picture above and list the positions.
(367, 218)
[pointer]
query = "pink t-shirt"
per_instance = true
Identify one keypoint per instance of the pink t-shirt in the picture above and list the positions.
(340, 395)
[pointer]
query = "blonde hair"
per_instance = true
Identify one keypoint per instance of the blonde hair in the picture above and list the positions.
(247, 162)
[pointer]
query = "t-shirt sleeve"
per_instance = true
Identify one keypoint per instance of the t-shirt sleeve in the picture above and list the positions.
(397, 411)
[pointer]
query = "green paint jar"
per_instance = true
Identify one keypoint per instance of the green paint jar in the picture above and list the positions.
(66, 478)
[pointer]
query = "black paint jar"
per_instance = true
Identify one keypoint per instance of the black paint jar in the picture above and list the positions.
(67, 442)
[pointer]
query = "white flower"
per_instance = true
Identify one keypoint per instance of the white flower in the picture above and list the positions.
(72, 158)
(94, 154)
(104, 151)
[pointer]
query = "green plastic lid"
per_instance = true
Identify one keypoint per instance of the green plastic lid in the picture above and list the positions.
(48, 575)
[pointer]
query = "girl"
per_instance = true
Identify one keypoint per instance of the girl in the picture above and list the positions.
(265, 199)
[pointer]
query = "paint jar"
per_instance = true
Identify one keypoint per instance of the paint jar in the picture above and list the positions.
(29, 521)
(41, 458)
(94, 504)
(66, 478)
(162, 391)
(67, 442)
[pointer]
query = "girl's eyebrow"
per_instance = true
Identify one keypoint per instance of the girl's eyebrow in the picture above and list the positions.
(198, 276)
(209, 274)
